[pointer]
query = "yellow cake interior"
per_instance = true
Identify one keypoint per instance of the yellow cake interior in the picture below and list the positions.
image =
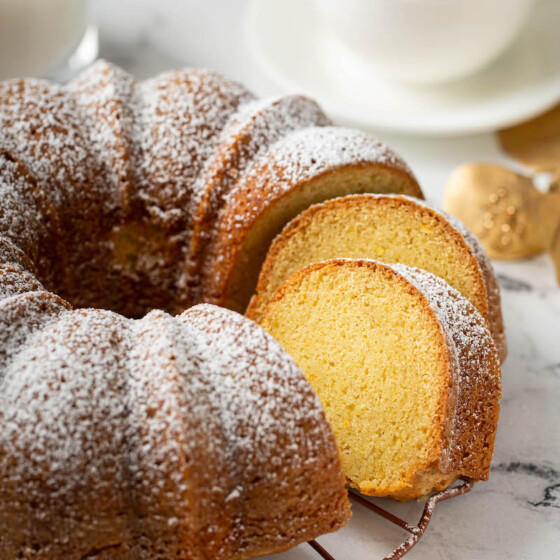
(367, 227)
(375, 354)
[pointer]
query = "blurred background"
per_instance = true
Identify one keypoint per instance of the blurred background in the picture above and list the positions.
(436, 79)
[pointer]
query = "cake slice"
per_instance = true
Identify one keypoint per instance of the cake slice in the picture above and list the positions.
(404, 366)
(392, 229)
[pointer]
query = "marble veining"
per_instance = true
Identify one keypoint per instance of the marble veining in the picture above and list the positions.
(514, 284)
(549, 476)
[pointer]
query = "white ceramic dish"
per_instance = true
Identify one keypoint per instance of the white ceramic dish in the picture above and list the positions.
(402, 39)
(285, 37)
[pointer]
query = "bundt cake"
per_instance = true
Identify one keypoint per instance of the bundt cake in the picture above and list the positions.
(130, 196)
(392, 229)
(184, 437)
(405, 368)
(126, 435)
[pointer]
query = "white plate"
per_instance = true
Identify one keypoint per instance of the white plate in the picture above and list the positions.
(524, 82)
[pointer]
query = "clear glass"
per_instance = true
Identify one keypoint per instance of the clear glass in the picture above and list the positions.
(46, 38)
(81, 58)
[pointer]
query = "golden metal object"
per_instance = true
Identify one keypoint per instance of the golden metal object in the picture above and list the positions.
(535, 143)
(509, 215)
(549, 225)
(555, 252)
(554, 189)
(501, 207)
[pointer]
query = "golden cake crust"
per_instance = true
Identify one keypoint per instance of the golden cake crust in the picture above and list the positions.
(473, 406)
(143, 183)
(108, 188)
(249, 132)
(132, 438)
(306, 167)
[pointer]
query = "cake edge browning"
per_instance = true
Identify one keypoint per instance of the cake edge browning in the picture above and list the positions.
(161, 428)
(305, 219)
(248, 133)
(477, 383)
(298, 457)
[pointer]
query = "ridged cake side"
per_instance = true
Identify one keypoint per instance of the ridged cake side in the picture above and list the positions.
(102, 184)
(473, 405)
(166, 192)
(186, 437)
(250, 132)
(305, 167)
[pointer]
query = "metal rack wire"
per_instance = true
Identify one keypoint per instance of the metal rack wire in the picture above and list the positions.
(416, 531)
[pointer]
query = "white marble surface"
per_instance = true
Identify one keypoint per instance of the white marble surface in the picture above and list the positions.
(516, 514)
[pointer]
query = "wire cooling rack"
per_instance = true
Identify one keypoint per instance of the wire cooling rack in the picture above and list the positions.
(416, 531)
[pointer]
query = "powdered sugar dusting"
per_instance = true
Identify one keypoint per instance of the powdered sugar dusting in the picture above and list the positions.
(103, 95)
(13, 256)
(41, 128)
(101, 152)
(308, 152)
(16, 281)
(62, 439)
(285, 414)
(20, 316)
(158, 434)
(492, 286)
(113, 175)
(251, 131)
(287, 166)
(27, 223)
(297, 158)
(178, 116)
(476, 389)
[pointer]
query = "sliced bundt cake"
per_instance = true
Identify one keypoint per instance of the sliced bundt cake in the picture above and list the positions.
(391, 229)
(126, 432)
(306, 167)
(405, 368)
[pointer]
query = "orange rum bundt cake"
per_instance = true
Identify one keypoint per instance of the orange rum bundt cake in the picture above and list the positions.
(392, 229)
(183, 437)
(126, 432)
(405, 368)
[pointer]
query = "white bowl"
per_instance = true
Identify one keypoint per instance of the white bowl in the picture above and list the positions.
(421, 41)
